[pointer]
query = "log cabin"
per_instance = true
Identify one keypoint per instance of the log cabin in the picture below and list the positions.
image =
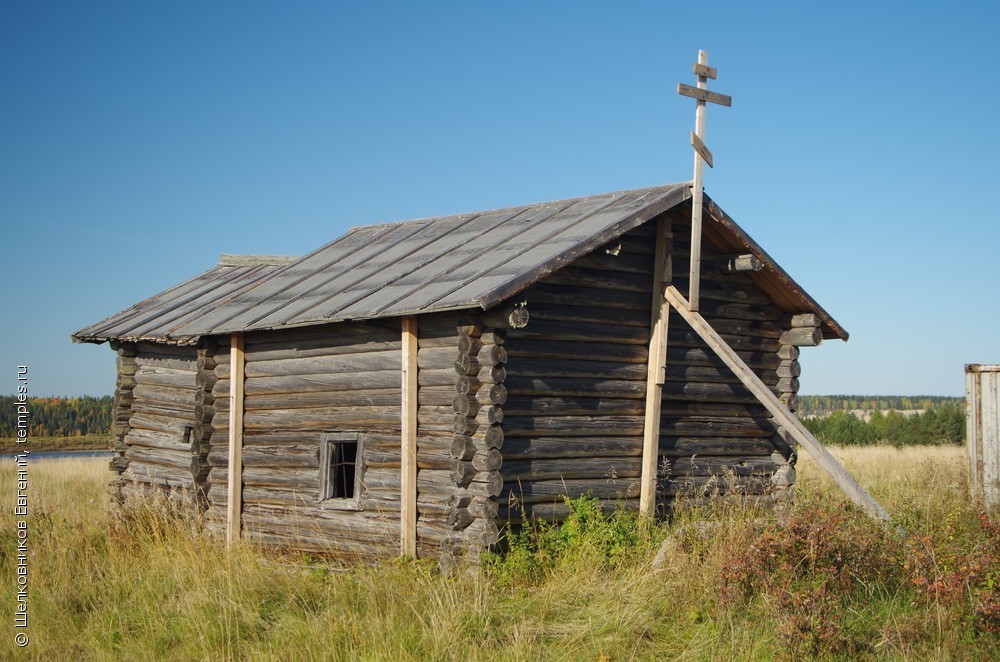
(414, 387)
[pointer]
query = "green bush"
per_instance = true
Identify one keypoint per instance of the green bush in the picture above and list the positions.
(587, 535)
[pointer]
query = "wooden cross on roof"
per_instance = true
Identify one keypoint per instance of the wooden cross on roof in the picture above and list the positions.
(701, 155)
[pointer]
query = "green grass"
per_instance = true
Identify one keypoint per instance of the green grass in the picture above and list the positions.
(827, 583)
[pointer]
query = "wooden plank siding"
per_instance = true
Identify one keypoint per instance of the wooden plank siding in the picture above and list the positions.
(576, 383)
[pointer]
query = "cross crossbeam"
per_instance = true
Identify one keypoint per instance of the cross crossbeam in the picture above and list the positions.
(702, 155)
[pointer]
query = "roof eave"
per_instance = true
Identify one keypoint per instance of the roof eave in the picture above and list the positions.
(831, 329)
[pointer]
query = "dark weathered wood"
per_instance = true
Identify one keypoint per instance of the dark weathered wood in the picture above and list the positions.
(490, 437)
(388, 397)
(788, 385)
(161, 376)
(554, 491)
(321, 418)
(788, 352)
(589, 315)
(600, 406)
(806, 336)
(375, 379)
(805, 320)
(780, 412)
(608, 352)
(789, 368)
(350, 363)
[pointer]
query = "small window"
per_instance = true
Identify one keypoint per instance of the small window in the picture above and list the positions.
(340, 467)
(188, 435)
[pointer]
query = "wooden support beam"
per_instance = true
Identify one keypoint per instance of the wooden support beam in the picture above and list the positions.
(234, 504)
(782, 415)
(408, 426)
(655, 374)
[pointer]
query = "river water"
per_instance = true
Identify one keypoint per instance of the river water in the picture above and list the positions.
(38, 456)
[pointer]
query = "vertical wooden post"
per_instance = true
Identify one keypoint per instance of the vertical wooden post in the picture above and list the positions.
(408, 482)
(694, 288)
(234, 505)
(655, 375)
(982, 394)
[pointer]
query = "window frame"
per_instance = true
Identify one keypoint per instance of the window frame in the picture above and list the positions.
(326, 455)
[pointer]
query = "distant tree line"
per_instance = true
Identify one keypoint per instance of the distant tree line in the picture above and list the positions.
(58, 417)
(940, 425)
(822, 405)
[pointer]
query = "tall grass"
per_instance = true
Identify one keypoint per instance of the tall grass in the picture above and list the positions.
(822, 582)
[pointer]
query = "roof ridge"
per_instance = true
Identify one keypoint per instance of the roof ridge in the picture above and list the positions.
(511, 208)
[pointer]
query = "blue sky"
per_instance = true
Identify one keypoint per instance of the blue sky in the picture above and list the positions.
(140, 140)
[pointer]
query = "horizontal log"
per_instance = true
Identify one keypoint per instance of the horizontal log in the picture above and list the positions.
(790, 368)
(579, 331)
(802, 337)
(556, 512)
(160, 440)
(180, 397)
(184, 413)
(487, 437)
(162, 376)
(493, 337)
(469, 345)
(177, 464)
(598, 406)
(462, 448)
(576, 467)
(159, 422)
(544, 367)
(185, 364)
(568, 426)
(374, 379)
(788, 385)
(285, 349)
(349, 363)
(326, 418)
(487, 460)
(582, 278)
(140, 468)
(805, 320)
(436, 358)
(788, 352)
(522, 448)
(546, 293)
(683, 336)
(555, 491)
(590, 315)
(736, 263)
(274, 456)
(361, 398)
(594, 351)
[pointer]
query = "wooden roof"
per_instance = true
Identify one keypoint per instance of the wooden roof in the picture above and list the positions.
(435, 264)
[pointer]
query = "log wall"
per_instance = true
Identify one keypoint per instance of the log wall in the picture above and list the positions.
(160, 449)
(576, 383)
(300, 384)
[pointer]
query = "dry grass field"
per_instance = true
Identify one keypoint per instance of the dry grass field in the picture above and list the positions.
(820, 581)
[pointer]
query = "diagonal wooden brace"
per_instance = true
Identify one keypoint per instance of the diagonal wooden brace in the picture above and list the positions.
(779, 411)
